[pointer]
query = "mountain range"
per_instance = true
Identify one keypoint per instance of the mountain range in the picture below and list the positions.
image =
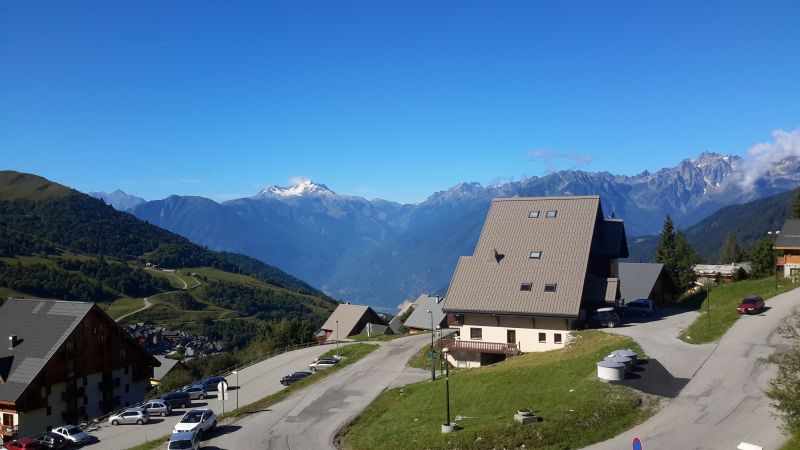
(59, 243)
(380, 252)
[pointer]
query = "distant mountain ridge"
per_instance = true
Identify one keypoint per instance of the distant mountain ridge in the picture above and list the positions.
(381, 252)
(118, 199)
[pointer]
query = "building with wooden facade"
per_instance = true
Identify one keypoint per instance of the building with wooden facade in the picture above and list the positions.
(65, 362)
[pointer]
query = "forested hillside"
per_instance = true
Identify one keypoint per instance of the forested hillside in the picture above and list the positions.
(58, 243)
(748, 222)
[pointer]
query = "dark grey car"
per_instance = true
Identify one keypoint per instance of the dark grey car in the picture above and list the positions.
(51, 440)
(177, 399)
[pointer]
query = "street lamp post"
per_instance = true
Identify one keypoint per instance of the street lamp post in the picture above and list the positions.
(337, 338)
(447, 384)
(775, 255)
(236, 372)
(433, 354)
(708, 299)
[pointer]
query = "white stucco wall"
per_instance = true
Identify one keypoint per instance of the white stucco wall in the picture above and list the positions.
(533, 334)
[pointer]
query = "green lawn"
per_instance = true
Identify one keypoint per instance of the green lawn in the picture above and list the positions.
(724, 299)
(560, 386)
(792, 444)
(362, 337)
(350, 354)
(124, 306)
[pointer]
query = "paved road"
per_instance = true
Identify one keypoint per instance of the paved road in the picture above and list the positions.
(724, 403)
(147, 304)
(256, 382)
(310, 418)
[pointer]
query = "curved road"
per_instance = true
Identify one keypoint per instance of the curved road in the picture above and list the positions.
(310, 418)
(147, 304)
(724, 403)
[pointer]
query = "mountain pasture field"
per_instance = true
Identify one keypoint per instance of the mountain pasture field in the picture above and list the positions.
(560, 386)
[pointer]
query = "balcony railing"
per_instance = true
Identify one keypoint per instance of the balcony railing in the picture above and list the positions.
(8, 430)
(500, 348)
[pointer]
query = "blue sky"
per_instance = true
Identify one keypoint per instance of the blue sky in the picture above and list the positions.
(383, 99)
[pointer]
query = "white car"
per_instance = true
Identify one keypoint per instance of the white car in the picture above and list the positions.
(200, 420)
(72, 434)
(322, 363)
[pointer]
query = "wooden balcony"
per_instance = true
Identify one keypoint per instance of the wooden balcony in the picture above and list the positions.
(499, 348)
(8, 431)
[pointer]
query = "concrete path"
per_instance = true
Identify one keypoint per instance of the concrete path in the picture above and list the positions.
(310, 419)
(147, 304)
(257, 381)
(724, 403)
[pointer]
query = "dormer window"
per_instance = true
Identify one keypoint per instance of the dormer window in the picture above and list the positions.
(533, 214)
(535, 255)
(550, 287)
(525, 287)
(550, 214)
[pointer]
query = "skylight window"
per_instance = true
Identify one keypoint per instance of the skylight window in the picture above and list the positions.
(525, 287)
(550, 287)
(535, 255)
(550, 214)
(533, 214)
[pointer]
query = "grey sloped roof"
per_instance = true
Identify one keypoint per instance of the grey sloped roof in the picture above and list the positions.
(420, 318)
(348, 316)
(789, 238)
(638, 279)
(482, 284)
(395, 325)
(166, 365)
(42, 326)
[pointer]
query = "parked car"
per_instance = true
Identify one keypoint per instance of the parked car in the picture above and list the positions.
(158, 408)
(642, 306)
(23, 444)
(196, 391)
(185, 440)
(138, 416)
(294, 377)
(605, 317)
(199, 420)
(211, 383)
(51, 440)
(751, 305)
(177, 399)
(322, 363)
(72, 434)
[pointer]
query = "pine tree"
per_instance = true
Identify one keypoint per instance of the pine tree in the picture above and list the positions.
(796, 205)
(677, 255)
(763, 258)
(731, 250)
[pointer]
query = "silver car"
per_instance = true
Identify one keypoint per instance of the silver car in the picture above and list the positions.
(130, 415)
(157, 408)
(196, 391)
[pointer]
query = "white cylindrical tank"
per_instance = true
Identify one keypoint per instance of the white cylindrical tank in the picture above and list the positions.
(610, 370)
(628, 353)
(623, 360)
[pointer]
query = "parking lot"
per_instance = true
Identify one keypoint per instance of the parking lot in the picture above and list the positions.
(255, 382)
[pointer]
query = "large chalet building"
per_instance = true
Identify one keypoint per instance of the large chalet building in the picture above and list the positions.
(64, 362)
(787, 245)
(540, 266)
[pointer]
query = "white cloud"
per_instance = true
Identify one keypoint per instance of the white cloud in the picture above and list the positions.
(552, 159)
(298, 180)
(761, 158)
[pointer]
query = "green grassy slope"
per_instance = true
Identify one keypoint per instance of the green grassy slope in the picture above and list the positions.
(58, 243)
(560, 386)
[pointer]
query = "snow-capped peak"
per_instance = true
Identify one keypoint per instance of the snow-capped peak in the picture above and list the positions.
(305, 187)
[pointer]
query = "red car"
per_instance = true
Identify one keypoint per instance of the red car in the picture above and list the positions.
(23, 444)
(751, 305)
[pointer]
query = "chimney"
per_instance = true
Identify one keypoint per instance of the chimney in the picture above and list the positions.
(12, 342)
